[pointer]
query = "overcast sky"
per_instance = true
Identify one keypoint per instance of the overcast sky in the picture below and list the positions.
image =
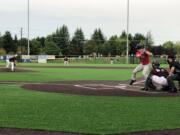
(161, 17)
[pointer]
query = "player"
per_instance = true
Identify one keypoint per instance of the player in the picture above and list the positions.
(66, 62)
(174, 73)
(157, 78)
(145, 64)
(7, 61)
(12, 63)
(112, 61)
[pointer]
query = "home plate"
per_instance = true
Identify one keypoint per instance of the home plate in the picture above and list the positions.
(95, 86)
(110, 87)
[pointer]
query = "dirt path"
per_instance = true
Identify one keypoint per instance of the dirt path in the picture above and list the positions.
(8, 131)
(98, 88)
(5, 70)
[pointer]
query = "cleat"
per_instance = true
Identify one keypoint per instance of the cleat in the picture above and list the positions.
(145, 89)
(132, 81)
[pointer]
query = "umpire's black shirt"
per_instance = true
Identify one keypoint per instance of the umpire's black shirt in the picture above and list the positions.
(176, 65)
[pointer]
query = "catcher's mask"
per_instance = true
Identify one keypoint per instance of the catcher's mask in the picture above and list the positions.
(155, 64)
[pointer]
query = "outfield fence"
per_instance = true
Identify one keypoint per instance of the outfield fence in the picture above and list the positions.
(108, 60)
(88, 60)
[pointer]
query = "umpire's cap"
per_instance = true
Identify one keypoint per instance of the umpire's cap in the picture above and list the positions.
(171, 57)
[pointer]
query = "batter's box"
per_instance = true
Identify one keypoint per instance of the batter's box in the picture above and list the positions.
(122, 86)
(136, 87)
(95, 86)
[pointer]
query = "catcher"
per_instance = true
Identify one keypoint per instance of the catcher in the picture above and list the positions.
(157, 79)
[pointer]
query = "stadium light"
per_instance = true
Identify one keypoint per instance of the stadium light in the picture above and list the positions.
(28, 30)
(127, 49)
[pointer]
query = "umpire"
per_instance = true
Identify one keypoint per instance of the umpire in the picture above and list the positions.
(174, 73)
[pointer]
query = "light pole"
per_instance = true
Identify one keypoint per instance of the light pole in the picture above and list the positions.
(127, 50)
(21, 40)
(28, 29)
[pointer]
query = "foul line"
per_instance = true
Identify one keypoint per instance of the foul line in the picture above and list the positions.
(140, 82)
(80, 86)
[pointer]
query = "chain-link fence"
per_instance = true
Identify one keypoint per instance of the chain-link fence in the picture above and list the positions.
(96, 60)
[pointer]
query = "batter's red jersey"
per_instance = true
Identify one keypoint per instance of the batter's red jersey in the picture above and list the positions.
(144, 57)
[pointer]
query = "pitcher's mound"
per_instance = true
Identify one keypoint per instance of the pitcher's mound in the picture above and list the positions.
(16, 70)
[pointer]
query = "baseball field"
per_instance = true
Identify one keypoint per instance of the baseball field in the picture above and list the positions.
(52, 99)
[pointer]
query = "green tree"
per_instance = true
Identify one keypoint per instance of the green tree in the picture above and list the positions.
(99, 40)
(62, 39)
(115, 46)
(1, 41)
(177, 47)
(139, 38)
(136, 40)
(110, 47)
(106, 49)
(123, 35)
(77, 43)
(121, 46)
(169, 47)
(8, 43)
(51, 48)
(42, 42)
(35, 47)
(89, 47)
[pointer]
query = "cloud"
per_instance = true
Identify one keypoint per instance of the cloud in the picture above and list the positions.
(159, 16)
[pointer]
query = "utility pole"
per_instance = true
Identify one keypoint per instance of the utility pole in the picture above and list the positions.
(127, 51)
(28, 30)
(21, 40)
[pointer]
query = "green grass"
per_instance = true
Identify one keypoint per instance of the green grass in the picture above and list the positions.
(21, 108)
(57, 112)
(58, 74)
(72, 64)
(91, 65)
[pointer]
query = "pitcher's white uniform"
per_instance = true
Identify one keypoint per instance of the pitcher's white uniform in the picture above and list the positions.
(11, 62)
(7, 61)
